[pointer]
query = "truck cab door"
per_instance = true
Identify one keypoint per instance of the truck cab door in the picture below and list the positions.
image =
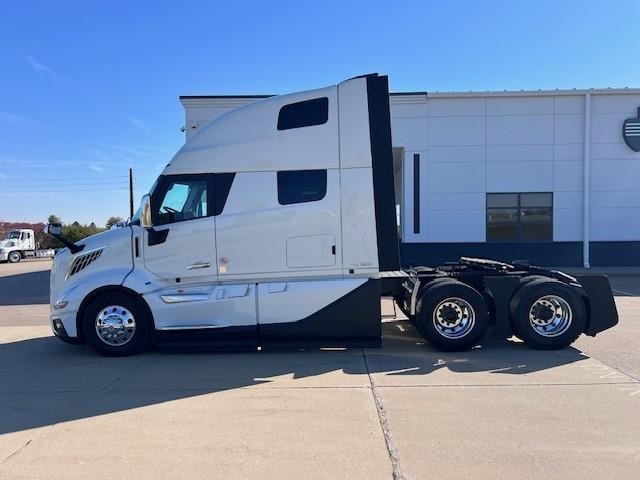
(180, 249)
(181, 244)
(26, 241)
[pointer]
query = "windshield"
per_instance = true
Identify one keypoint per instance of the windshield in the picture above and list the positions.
(13, 235)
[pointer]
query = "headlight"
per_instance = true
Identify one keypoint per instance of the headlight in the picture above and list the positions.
(63, 301)
(60, 304)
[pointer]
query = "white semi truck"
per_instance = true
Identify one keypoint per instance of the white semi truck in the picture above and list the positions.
(20, 243)
(275, 226)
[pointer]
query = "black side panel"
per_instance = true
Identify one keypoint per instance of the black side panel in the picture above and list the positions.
(351, 321)
(223, 182)
(603, 313)
(215, 339)
(382, 163)
(157, 237)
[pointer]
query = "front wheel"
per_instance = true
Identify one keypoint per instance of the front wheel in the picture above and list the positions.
(116, 324)
(14, 257)
(548, 314)
(452, 315)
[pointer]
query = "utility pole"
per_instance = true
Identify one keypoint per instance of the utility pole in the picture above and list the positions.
(130, 193)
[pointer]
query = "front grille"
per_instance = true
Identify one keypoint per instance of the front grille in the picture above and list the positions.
(83, 261)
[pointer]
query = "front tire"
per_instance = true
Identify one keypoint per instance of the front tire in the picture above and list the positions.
(452, 315)
(116, 325)
(547, 314)
(14, 257)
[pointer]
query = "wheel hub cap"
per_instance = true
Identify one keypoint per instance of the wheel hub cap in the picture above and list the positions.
(550, 316)
(115, 325)
(454, 318)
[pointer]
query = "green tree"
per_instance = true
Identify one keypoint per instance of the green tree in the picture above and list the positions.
(112, 221)
(54, 219)
(76, 232)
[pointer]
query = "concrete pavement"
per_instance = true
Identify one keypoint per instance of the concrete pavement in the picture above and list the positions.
(403, 411)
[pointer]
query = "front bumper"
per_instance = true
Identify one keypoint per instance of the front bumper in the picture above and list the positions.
(603, 313)
(63, 325)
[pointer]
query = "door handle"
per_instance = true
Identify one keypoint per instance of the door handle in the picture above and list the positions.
(199, 265)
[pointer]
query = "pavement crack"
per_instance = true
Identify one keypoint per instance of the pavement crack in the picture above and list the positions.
(392, 449)
(120, 377)
(17, 451)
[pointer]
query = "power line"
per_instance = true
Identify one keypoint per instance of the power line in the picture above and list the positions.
(3, 192)
(66, 179)
(46, 185)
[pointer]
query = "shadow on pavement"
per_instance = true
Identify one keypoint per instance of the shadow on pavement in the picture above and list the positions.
(25, 288)
(44, 381)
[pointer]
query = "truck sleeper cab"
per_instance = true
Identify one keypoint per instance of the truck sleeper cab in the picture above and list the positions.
(275, 226)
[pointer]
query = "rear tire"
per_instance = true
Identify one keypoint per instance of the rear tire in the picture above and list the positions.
(14, 257)
(116, 325)
(524, 281)
(451, 315)
(547, 314)
(400, 300)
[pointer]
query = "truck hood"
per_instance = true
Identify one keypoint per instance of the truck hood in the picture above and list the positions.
(8, 243)
(104, 238)
(103, 254)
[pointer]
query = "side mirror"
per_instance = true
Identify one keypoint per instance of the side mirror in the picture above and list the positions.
(145, 212)
(53, 229)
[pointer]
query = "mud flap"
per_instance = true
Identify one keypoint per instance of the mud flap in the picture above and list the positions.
(603, 313)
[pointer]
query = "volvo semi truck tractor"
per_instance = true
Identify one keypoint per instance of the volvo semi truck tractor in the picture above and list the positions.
(275, 226)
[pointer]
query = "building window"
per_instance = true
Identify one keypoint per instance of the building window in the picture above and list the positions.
(519, 217)
(304, 114)
(300, 186)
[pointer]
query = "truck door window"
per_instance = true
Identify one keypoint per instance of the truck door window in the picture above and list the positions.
(180, 199)
(301, 186)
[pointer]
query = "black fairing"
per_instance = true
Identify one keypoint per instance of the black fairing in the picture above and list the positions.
(350, 321)
(382, 165)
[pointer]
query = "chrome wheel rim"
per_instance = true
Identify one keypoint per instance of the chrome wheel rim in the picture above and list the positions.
(115, 325)
(550, 316)
(454, 318)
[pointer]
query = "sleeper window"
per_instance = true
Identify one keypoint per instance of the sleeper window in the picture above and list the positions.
(304, 114)
(301, 186)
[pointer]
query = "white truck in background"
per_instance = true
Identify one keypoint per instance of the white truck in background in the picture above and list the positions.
(275, 226)
(21, 243)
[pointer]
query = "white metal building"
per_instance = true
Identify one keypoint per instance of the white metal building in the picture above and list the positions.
(503, 174)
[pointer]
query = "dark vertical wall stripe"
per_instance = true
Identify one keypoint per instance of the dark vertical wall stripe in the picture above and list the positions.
(382, 166)
(416, 193)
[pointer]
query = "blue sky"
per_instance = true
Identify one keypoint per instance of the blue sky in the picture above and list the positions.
(89, 88)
